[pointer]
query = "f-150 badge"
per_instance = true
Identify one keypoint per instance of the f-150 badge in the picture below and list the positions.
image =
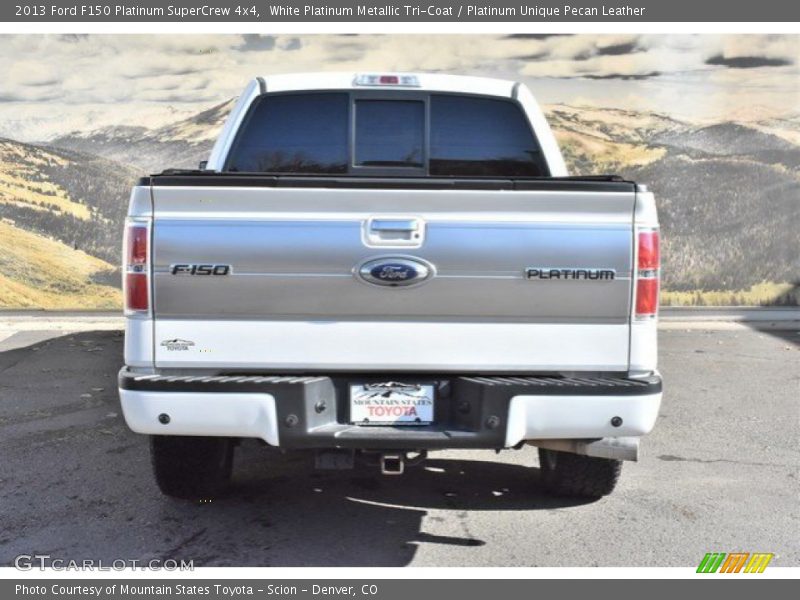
(200, 269)
(569, 274)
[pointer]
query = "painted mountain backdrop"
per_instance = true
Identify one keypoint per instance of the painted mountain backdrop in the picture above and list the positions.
(728, 192)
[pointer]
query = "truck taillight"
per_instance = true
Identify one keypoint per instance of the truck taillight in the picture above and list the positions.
(136, 245)
(135, 283)
(648, 267)
(649, 258)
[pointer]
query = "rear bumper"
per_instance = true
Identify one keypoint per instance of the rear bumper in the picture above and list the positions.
(313, 411)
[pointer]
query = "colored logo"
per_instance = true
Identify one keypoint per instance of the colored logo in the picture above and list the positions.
(734, 562)
(395, 272)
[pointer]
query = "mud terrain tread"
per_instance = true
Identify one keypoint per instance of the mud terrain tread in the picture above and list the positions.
(192, 468)
(578, 476)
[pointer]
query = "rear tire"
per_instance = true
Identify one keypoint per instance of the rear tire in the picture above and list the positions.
(194, 468)
(574, 475)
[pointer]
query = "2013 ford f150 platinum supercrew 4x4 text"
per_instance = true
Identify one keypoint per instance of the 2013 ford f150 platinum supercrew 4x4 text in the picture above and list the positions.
(373, 266)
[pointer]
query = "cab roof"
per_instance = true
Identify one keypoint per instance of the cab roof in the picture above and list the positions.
(355, 80)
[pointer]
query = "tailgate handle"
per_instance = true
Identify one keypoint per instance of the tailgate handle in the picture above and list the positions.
(394, 225)
(405, 231)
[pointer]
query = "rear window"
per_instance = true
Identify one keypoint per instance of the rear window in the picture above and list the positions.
(389, 133)
(294, 133)
(482, 137)
(330, 133)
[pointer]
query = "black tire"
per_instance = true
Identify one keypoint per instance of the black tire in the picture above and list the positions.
(567, 474)
(193, 468)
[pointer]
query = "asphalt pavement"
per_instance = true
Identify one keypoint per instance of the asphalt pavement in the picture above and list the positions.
(720, 473)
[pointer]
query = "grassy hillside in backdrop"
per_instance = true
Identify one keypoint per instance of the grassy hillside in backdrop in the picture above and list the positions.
(77, 198)
(37, 272)
(61, 215)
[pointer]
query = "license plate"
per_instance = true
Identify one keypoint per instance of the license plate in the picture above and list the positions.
(391, 404)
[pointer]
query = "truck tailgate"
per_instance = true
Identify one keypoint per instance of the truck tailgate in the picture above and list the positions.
(292, 297)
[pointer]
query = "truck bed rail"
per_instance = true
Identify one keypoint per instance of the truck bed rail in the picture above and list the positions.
(176, 177)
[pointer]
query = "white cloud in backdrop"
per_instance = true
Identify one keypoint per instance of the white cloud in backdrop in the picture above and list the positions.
(50, 85)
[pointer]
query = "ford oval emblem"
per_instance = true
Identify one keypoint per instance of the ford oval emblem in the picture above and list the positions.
(395, 271)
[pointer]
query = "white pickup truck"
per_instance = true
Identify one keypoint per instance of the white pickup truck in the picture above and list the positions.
(378, 265)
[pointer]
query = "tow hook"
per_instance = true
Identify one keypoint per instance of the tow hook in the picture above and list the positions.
(392, 464)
